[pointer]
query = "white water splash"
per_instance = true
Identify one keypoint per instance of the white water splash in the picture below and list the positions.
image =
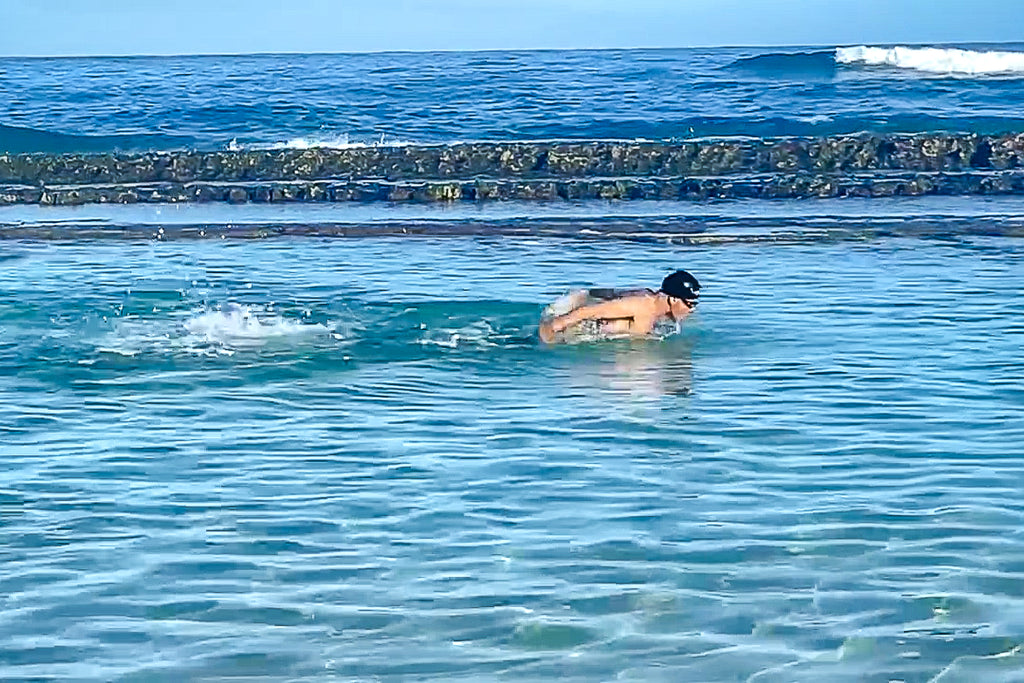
(934, 60)
(816, 118)
(480, 334)
(246, 326)
(325, 141)
(215, 332)
(328, 142)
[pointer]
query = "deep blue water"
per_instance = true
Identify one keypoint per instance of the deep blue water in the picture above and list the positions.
(306, 459)
(207, 102)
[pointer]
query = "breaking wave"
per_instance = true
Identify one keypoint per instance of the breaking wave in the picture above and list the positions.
(934, 60)
(824, 63)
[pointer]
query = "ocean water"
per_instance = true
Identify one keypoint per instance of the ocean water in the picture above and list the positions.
(95, 104)
(232, 448)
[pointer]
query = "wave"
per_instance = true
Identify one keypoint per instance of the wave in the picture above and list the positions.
(802, 64)
(824, 64)
(19, 140)
(934, 59)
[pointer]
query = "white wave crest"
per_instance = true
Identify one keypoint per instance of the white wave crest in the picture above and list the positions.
(934, 59)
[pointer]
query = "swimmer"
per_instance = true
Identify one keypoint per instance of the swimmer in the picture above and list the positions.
(631, 313)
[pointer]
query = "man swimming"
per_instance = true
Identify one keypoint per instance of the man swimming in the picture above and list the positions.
(631, 313)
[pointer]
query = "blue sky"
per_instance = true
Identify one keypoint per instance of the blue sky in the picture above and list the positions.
(91, 27)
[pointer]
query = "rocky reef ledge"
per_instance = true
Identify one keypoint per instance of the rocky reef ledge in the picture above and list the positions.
(864, 165)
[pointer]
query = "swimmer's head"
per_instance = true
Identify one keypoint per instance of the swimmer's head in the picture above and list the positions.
(681, 285)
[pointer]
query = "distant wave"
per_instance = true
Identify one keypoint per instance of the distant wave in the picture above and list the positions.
(19, 140)
(804, 64)
(934, 60)
(927, 59)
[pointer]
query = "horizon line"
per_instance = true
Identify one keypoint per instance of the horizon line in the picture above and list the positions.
(284, 53)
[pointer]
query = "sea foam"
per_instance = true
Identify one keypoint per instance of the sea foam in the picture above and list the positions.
(934, 60)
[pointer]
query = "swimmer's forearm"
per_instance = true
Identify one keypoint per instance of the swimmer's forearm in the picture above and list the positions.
(572, 318)
(563, 321)
(608, 310)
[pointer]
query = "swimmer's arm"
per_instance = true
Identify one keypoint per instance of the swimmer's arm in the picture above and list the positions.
(608, 310)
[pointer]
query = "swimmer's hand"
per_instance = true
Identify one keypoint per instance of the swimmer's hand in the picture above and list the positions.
(546, 332)
(551, 327)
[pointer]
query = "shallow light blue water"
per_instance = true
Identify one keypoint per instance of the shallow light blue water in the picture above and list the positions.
(349, 460)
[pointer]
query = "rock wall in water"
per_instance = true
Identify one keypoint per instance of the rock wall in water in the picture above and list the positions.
(863, 165)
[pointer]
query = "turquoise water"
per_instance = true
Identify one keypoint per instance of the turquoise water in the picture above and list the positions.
(305, 459)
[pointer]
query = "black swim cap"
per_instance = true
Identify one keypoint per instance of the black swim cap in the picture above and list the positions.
(681, 285)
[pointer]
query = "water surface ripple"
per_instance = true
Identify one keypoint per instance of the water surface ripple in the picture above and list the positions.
(306, 459)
